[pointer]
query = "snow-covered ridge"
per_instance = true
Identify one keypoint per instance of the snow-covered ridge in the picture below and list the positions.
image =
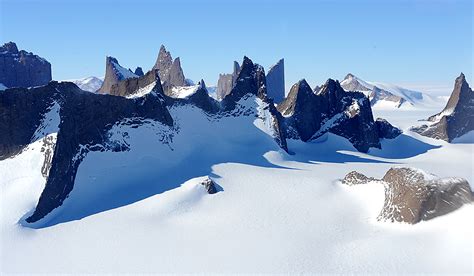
(91, 84)
(142, 91)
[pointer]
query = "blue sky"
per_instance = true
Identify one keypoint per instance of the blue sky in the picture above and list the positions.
(415, 43)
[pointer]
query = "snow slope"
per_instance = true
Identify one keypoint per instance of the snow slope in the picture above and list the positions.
(143, 211)
(2, 87)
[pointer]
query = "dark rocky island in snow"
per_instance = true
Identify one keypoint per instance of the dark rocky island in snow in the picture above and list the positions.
(308, 116)
(456, 119)
(21, 68)
(412, 195)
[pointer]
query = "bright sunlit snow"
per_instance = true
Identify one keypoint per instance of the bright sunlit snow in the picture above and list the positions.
(145, 211)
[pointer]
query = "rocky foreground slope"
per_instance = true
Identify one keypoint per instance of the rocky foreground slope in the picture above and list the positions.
(456, 119)
(21, 68)
(412, 195)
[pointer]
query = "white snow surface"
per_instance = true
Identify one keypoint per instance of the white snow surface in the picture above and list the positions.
(184, 91)
(2, 87)
(142, 91)
(144, 211)
(91, 84)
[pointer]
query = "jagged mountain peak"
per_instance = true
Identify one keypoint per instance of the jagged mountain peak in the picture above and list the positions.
(9, 47)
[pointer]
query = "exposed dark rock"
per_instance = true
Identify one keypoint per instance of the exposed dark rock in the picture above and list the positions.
(356, 178)
(139, 72)
(456, 119)
(251, 81)
(226, 82)
(348, 114)
(21, 68)
(209, 185)
(386, 130)
(171, 73)
(276, 81)
(114, 73)
(85, 119)
(130, 86)
(412, 195)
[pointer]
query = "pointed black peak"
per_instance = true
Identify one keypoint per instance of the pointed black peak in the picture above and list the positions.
(162, 48)
(236, 68)
(247, 62)
(202, 84)
(9, 47)
(109, 59)
(139, 71)
(177, 61)
(461, 78)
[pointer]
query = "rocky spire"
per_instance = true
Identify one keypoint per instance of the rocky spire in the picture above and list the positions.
(170, 71)
(276, 81)
(114, 73)
(456, 119)
(226, 82)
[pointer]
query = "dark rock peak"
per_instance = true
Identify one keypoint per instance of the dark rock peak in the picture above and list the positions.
(202, 84)
(22, 68)
(114, 73)
(386, 130)
(276, 81)
(300, 94)
(170, 70)
(139, 72)
(456, 119)
(236, 68)
(226, 82)
(9, 47)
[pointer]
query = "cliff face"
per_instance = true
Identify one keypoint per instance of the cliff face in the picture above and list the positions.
(456, 119)
(21, 68)
(276, 81)
(169, 70)
(226, 82)
(114, 73)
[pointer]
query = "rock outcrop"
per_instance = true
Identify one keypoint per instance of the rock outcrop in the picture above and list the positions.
(114, 73)
(307, 115)
(226, 82)
(386, 130)
(139, 72)
(21, 68)
(412, 195)
(276, 81)
(209, 185)
(456, 119)
(170, 71)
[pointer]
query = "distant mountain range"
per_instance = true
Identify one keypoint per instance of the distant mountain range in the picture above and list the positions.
(384, 95)
(90, 84)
